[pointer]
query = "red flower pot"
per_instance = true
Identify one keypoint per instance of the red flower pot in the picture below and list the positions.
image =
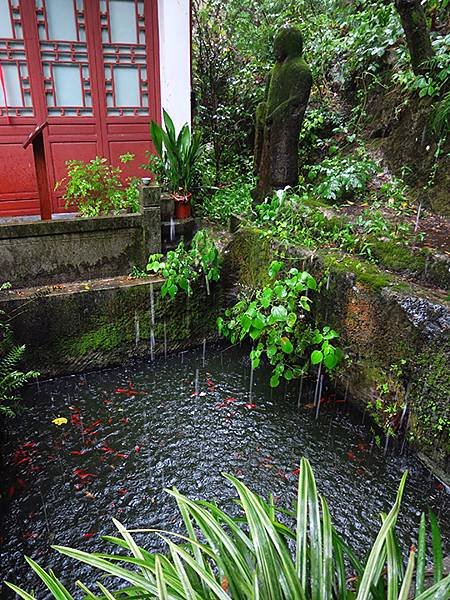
(182, 206)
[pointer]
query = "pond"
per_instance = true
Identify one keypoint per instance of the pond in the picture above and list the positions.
(132, 431)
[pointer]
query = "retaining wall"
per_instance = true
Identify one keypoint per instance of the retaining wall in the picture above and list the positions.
(45, 252)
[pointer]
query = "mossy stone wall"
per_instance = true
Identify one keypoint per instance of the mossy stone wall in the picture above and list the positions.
(396, 336)
(80, 327)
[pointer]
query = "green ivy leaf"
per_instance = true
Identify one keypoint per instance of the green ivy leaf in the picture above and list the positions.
(275, 381)
(331, 360)
(316, 357)
(259, 322)
(271, 351)
(286, 345)
(274, 268)
(288, 374)
(279, 313)
(246, 322)
(291, 319)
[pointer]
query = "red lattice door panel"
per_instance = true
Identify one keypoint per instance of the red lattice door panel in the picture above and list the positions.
(129, 52)
(17, 178)
(90, 69)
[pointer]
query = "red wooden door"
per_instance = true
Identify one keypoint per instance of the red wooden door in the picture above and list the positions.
(91, 69)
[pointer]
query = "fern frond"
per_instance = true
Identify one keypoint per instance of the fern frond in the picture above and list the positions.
(10, 361)
(440, 117)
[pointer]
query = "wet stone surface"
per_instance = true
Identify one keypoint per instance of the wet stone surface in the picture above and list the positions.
(133, 431)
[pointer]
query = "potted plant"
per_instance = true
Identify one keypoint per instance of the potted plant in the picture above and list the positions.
(178, 155)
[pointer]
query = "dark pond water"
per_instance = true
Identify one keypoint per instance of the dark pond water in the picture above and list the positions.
(133, 431)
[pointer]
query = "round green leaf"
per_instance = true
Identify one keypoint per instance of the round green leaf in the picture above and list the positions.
(316, 357)
(286, 345)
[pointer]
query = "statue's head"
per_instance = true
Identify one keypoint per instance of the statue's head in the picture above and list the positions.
(288, 42)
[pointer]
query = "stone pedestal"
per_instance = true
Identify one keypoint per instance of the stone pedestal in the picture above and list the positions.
(150, 200)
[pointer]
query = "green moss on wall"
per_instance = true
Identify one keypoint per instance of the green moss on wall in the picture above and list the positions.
(249, 257)
(430, 393)
(365, 272)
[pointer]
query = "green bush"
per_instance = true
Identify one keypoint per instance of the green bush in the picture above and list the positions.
(226, 201)
(183, 267)
(265, 554)
(341, 177)
(274, 320)
(95, 188)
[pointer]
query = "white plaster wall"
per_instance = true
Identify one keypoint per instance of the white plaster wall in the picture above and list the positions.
(175, 59)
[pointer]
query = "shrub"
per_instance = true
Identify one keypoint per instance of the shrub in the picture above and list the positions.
(182, 267)
(96, 187)
(266, 553)
(226, 201)
(274, 319)
(341, 177)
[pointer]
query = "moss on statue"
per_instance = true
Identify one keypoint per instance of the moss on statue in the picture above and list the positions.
(279, 118)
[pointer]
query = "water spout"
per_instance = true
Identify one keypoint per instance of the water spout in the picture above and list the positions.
(402, 418)
(172, 229)
(327, 287)
(250, 389)
(419, 210)
(319, 396)
(316, 391)
(165, 340)
(196, 384)
(152, 323)
(137, 332)
(204, 351)
(300, 390)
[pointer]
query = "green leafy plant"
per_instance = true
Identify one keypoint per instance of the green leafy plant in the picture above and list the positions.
(12, 379)
(226, 201)
(266, 553)
(341, 177)
(96, 187)
(274, 318)
(177, 153)
(182, 267)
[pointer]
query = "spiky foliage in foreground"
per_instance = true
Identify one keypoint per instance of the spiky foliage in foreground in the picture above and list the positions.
(11, 379)
(259, 556)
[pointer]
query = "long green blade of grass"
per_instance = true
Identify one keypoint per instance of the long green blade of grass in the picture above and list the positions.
(315, 535)
(439, 591)
(421, 556)
(372, 565)
(202, 573)
(273, 556)
(160, 581)
(301, 558)
(327, 564)
(436, 544)
(392, 567)
(407, 580)
(19, 592)
(108, 567)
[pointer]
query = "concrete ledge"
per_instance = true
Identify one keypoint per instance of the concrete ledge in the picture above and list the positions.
(68, 226)
(46, 252)
(87, 325)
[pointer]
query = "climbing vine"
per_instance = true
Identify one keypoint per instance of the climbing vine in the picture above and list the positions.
(275, 319)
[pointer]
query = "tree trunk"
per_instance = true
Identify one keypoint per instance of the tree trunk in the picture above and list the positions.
(417, 35)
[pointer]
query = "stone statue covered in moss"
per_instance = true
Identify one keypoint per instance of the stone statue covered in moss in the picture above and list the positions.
(279, 118)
